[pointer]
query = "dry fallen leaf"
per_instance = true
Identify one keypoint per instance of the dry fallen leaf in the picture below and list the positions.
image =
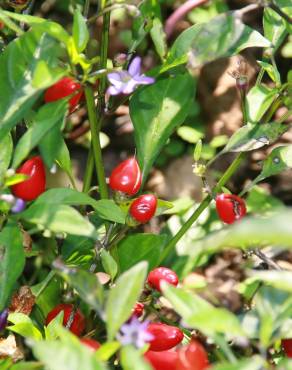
(9, 348)
(22, 301)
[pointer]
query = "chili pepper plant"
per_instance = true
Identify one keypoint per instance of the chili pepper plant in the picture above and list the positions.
(84, 285)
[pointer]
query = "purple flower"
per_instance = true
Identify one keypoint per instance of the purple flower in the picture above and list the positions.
(125, 82)
(135, 332)
(3, 319)
(19, 206)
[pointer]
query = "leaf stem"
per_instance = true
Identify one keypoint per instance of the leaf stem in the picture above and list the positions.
(95, 124)
(204, 204)
(86, 8)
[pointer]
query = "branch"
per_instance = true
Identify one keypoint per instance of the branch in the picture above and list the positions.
(180, 13)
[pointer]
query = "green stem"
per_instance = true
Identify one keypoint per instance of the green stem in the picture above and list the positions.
(204, 204)
(86, 8)
(95, 124)
(88, 172)
(103, 56)
(243, 107)
(46, 282)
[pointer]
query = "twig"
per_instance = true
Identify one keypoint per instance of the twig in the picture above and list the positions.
(180, 13)
(272, 264)
(241, 12)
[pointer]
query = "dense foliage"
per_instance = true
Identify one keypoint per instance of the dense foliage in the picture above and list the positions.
(84, 284)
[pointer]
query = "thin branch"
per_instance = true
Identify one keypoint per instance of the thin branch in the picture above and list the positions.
(272, 264)
(180, 13)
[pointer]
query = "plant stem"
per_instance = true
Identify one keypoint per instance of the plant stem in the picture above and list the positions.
(86, 8)
(204, 204)
(279, 11)
(88, 172)
(95, 124)
(46, 282)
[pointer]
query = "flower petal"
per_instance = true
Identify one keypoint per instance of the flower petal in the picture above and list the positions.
(144, 80)
(135, 67)
(129, 87)
(115, 78)
(113, 90)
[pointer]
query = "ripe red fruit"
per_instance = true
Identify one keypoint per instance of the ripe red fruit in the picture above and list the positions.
(91, 343)
(2, 25)
(156, 276)
(164, 336)
(143, 208)
(78, 324)
(126, 177)
(138, 309)
(165, 360)
(35, 185)
(192, 357)
(230, 207)
(287, 347)
(63, 88)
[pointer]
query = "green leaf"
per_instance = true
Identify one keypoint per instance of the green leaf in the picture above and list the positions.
(271, 71)
(80, 31)
(66, 353)
(249, 232)
(159, 38)
(131, 359)
(254, 363)
(281, 280)
(24, 326)
(47, 292)
(107, 350)
(252, 137)
(223, 36)
(15, 179)
(63, 158)
(48, 117)
(156, 111)
(258, 101)
(190, 134)
(53, 29)
(6, 147)
(200, 314)
(279, 160)
(58, 218)
(26, 366)
(274, 27)
(66, 196)
(86, 284)
(109, 264)
(123, 296)
(108, 210)
(18, 65)
(12, 260)
(105, 208)
(52, 145)
(140, 247)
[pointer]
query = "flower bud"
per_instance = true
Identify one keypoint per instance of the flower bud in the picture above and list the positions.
(19, 206)
(3, 319)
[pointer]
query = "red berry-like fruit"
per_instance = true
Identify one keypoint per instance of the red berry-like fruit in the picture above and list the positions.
(156, 276)
(165, 360)
(287, 347)
(91, 343)
(192, 357)
(2, 25)
(230, 207)
(63, 88)
(164, 336)
(138, 309)
(143, 208)
(126, 177)
(78, 324)
(35, 185)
